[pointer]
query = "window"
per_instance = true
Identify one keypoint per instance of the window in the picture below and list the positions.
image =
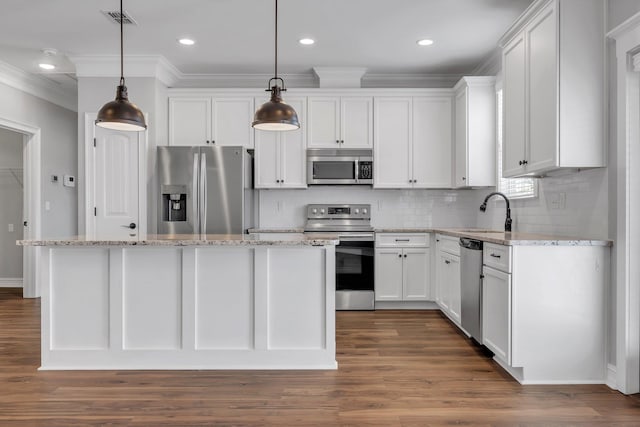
(514, 188)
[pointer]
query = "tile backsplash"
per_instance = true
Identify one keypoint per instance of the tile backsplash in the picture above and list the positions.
(572, 205)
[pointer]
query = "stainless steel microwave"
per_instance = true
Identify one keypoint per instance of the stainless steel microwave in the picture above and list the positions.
(327, 166)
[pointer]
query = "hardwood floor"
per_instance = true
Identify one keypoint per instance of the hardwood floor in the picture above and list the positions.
(396, 368)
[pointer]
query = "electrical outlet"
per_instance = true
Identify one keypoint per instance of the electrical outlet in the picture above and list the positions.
(11, 228)
(558, 200)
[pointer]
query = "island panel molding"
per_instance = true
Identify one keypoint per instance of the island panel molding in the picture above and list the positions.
(188, 307)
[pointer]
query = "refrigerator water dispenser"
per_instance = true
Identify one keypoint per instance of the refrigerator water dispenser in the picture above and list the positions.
(174, 203)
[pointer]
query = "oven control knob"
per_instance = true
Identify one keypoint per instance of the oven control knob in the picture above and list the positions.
(357, 211)
(314, 211)
(322, 211)
(364, 211)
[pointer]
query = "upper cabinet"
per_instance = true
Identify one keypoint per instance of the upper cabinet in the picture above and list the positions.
(224, 120)
(412, 140)
(340, 122)
(553, 82)
(280, 157)
(475, 136)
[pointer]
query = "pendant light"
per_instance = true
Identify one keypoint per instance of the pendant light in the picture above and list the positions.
(121, 114)
(276, 114)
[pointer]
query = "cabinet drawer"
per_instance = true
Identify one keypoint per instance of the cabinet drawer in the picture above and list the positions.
(497, 256)
(448, 244)
(413, 240)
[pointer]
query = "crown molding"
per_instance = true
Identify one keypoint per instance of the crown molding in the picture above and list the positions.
(244, 80)
(522, 20)
(629, 25)
(38, 86)
(156, 66)
(340, 77)
(491, 65)
(410, 80)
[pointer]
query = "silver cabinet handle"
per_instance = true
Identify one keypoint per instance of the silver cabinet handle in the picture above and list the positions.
(403, 240)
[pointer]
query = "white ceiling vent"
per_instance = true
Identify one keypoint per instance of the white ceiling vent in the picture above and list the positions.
(114, 16)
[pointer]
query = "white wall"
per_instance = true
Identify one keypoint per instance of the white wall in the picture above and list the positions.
(58, 152)
(389, 208)
(11, 201)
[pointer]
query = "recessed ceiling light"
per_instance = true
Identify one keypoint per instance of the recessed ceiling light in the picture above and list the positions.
(306, 41)
(46, 66)
(187, 42)
(425, 42)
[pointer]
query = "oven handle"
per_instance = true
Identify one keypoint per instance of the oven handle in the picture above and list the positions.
(367, 237)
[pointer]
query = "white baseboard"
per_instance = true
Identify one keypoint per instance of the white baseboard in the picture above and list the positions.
(15, 282)
(406, 305)
(612, 379)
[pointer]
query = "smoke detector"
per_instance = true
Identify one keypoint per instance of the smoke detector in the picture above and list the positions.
(114, 16)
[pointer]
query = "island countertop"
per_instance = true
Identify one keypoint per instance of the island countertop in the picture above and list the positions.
(259, 239)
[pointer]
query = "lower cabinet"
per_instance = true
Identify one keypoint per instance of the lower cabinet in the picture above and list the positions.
(402, 267)
(448, 276)
(496, 312)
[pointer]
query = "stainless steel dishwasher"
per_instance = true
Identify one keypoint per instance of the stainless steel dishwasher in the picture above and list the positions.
(471, 287)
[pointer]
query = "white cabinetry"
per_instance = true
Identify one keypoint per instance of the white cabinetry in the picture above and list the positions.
(402, 267)
(280, 157)
(412, 140)
(544, 311)
(220, 120)
(340, 122)
(475, 136)
(448, 276)
(553, 86)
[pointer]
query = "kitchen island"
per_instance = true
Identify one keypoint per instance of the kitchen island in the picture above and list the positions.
(184, 302)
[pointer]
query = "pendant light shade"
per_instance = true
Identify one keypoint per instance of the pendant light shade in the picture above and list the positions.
(121, 114)
(276, 115)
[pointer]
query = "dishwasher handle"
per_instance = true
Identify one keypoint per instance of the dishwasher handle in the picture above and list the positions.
(475, 245)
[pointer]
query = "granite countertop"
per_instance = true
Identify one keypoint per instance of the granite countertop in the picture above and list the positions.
(275, 230)
(515, 238)
(258, 239)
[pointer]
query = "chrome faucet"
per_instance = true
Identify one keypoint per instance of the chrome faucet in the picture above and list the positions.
(507, 222)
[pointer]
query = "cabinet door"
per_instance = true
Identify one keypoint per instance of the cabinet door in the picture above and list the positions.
(496, 313)
(356, 122)
(293, 156)
(388, 275)
(541, 36)
(415, 274)
(443, 273)
(454, 288)
(267, 159)
(392, 140)
(189, 121)
(462, 137)
(231, 124)
(513, 107)
(432, 142)
(324, 122)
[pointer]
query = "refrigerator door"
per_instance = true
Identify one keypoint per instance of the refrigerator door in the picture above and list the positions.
(178, 190)
(222, 190)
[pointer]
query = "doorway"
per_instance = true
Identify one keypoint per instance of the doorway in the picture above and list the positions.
(30, 224)
(11, 207)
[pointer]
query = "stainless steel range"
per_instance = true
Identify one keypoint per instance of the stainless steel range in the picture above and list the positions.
(354, 255)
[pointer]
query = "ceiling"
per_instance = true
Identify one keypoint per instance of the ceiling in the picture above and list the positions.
(236, 36)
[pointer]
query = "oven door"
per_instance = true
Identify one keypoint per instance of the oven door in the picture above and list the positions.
(354, 275)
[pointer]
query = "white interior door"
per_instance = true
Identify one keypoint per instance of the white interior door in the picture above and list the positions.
(116, 184)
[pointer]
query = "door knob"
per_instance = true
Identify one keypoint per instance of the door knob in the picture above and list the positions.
(131, 226)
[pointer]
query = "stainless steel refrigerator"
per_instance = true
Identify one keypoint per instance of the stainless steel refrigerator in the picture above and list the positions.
(204, 190)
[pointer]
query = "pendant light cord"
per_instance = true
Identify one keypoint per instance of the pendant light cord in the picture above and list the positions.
(276, 43)
(121, 45)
